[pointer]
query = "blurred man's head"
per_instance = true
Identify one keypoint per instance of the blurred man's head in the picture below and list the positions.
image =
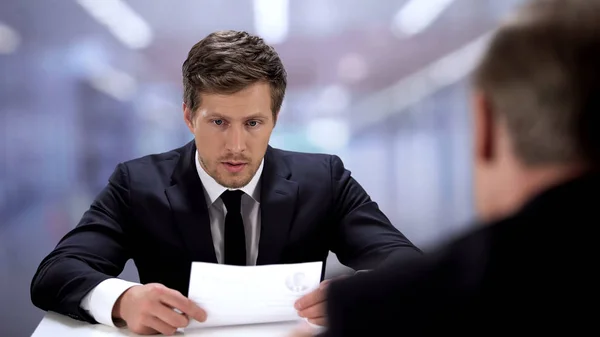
(234, 85)
(537, 103)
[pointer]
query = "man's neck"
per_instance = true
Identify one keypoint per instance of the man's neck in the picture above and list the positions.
(523, 184)
(530, 182)
(214, 190)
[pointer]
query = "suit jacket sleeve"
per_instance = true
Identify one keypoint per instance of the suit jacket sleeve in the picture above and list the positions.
(424, 295)
(95, 250)
(396, 299)
(362, 236)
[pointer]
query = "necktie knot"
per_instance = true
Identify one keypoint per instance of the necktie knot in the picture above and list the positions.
(232, 200)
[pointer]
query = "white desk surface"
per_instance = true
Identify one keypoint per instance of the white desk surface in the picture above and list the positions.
(55, 325)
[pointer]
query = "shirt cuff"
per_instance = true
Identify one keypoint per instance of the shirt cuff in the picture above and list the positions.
(99, 302)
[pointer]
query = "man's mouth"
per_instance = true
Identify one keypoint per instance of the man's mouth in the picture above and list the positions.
(233, 166)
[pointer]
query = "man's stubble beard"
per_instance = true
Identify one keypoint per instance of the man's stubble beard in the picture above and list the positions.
(236, 182)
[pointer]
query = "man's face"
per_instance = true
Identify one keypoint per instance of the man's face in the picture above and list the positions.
(232, 133)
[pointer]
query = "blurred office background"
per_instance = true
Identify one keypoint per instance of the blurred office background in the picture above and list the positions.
(86, 84)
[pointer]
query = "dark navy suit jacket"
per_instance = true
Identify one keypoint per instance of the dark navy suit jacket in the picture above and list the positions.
(153, 211)
(533, 272)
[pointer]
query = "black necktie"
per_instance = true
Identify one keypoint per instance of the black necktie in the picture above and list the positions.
(235, 238)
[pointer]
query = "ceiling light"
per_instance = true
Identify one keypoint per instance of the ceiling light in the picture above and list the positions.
(9, 39)
(122, 21)
(416, 15)
(271, 20)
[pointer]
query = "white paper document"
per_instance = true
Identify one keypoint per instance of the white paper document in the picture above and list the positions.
(234, 295)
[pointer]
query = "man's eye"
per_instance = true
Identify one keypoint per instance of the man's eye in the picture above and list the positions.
(252, 123)
(218, 121)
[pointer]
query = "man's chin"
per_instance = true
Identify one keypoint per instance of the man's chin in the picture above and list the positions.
(236, 182)
(234, 179)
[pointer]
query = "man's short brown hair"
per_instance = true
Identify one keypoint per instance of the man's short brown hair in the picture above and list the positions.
(226, 62)
(541, 73)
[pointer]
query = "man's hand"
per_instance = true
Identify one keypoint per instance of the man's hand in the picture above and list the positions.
(312, 305)
(149, 309)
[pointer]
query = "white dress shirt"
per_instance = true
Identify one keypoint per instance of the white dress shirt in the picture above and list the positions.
(100, 301)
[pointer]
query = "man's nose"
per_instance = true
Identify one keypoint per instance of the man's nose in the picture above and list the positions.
(236, 141)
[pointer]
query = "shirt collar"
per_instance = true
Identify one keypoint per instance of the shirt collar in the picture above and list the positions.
(214, 189)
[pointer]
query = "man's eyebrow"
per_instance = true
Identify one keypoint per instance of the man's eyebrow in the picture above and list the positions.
(214, 115)
(208, 114)
(257, 115)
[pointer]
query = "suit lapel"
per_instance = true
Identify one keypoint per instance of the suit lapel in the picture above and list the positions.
(277, 203)
(186, 197)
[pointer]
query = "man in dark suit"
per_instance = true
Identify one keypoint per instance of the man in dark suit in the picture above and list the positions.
(530, 266)
(226, 197)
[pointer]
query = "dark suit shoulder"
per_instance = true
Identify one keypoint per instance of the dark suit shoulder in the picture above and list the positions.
(458, 264)
(296, 157)
(412, 290)
(153, 168)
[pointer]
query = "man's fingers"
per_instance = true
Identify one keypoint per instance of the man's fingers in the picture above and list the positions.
(322, 321)
(176, 300)
(169, 316)
(310, 299)
(313, 312)
(160, 326)
(325, 283)
(195, 312)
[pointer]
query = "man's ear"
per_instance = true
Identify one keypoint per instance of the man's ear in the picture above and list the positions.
(484, 126)
(188, 117)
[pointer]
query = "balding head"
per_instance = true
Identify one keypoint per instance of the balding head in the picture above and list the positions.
(537, 102)
(542, 77)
